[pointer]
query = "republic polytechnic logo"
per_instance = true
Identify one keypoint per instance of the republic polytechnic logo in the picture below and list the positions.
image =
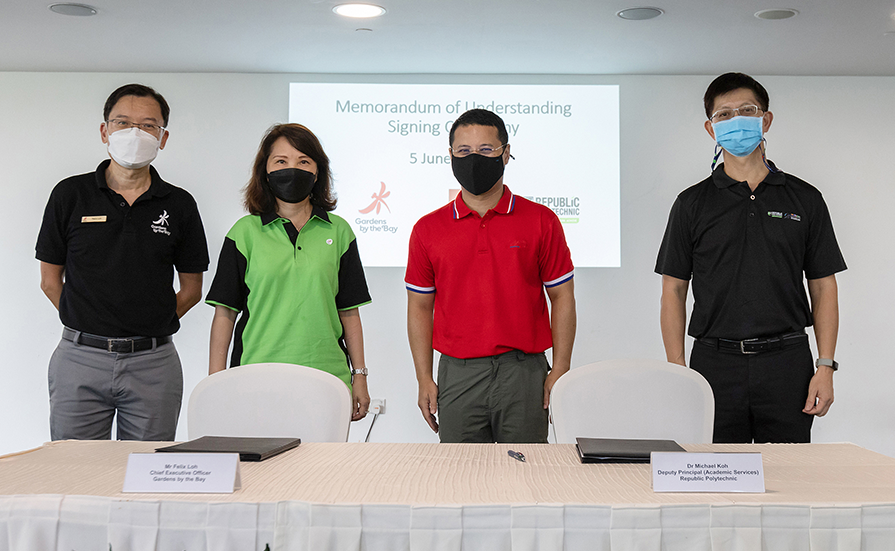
(784, 216)
(567, 208)
(160, 225)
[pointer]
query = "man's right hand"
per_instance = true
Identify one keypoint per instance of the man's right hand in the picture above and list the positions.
(428, 402)
(420, 310)
(673, 318)
(52, 278)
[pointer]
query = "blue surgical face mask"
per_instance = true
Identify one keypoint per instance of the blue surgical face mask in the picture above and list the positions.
(739, 136)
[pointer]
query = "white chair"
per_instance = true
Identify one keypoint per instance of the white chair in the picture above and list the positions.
(272, 400)
(633, 398)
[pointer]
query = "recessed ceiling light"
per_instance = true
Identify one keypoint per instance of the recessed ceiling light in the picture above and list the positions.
(79, 10)
(776, 13)
(359, 10)
(639, 14)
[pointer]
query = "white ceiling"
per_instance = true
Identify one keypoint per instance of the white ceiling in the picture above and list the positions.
(828, 37)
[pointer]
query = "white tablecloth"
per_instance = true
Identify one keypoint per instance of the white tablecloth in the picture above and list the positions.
(66, 496)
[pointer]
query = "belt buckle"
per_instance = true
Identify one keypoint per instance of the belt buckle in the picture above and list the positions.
(743, 347)
(111, 342)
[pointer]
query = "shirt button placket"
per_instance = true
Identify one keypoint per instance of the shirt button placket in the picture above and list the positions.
(128, 225)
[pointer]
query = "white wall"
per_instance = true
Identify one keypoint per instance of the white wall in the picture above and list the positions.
(833, 132)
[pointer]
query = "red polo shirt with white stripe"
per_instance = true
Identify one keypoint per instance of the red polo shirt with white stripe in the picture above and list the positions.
(488, 275)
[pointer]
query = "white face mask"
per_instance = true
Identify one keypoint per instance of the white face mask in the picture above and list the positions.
(133, 148)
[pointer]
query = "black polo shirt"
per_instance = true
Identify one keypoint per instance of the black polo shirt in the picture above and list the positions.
(747, 252)
(119, 259)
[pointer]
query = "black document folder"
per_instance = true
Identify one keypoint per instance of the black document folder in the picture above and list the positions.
(613, 450)
(248, 448)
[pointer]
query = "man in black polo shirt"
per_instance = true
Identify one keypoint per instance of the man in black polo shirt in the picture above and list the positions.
(108, 247)
(746, 235)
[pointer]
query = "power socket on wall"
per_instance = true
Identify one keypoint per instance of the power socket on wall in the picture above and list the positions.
(377, 406)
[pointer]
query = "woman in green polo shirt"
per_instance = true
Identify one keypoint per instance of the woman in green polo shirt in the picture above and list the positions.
(290, 270)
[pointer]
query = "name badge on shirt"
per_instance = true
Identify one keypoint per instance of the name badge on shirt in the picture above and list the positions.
(89, 219)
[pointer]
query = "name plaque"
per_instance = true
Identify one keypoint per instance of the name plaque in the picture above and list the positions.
(707, 472)
(182, 473)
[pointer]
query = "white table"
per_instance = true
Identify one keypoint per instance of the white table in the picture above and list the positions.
(66, 495)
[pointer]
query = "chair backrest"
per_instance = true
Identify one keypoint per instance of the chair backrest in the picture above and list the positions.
(272, 400)
(633, 398)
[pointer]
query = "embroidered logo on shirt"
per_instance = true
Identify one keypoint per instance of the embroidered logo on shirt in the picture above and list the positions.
(329, 241)
(784, 216)
(159, 226)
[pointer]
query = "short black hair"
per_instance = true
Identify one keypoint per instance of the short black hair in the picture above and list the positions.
(140, 91)
(480, 117)
(728, 82)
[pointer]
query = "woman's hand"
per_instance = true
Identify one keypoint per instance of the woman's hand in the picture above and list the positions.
(360, 397)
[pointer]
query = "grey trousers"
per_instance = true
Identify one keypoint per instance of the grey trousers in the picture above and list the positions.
(492, 399)
(88, 385)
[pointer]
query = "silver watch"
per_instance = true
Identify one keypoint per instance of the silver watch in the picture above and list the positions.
(361, 371)
(832, 364)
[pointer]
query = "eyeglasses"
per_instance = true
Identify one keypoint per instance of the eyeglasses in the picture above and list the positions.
(486, 151)
(729, 113)
(121, 124)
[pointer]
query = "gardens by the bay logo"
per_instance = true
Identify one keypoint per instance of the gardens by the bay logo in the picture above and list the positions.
(374, 225)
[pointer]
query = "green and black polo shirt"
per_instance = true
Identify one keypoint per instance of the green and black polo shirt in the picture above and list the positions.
(289, 287)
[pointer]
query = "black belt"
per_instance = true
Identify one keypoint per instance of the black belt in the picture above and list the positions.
(127, 344)
(755, 346)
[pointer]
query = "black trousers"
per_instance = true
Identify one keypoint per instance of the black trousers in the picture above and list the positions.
(758, 397)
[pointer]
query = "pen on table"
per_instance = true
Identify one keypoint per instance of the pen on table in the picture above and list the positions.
(516, 455)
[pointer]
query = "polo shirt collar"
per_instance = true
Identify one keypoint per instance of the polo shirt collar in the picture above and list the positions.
(316, 212)
(722, 180)
(157, 186)
(505, 206)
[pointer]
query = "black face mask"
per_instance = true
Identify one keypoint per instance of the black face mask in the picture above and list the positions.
(477, 173)
(291, 185)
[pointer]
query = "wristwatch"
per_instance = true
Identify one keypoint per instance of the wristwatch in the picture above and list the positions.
(832, 364)
(363, 371)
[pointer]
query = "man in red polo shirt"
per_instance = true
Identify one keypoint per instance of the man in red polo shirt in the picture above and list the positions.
(475, 280)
